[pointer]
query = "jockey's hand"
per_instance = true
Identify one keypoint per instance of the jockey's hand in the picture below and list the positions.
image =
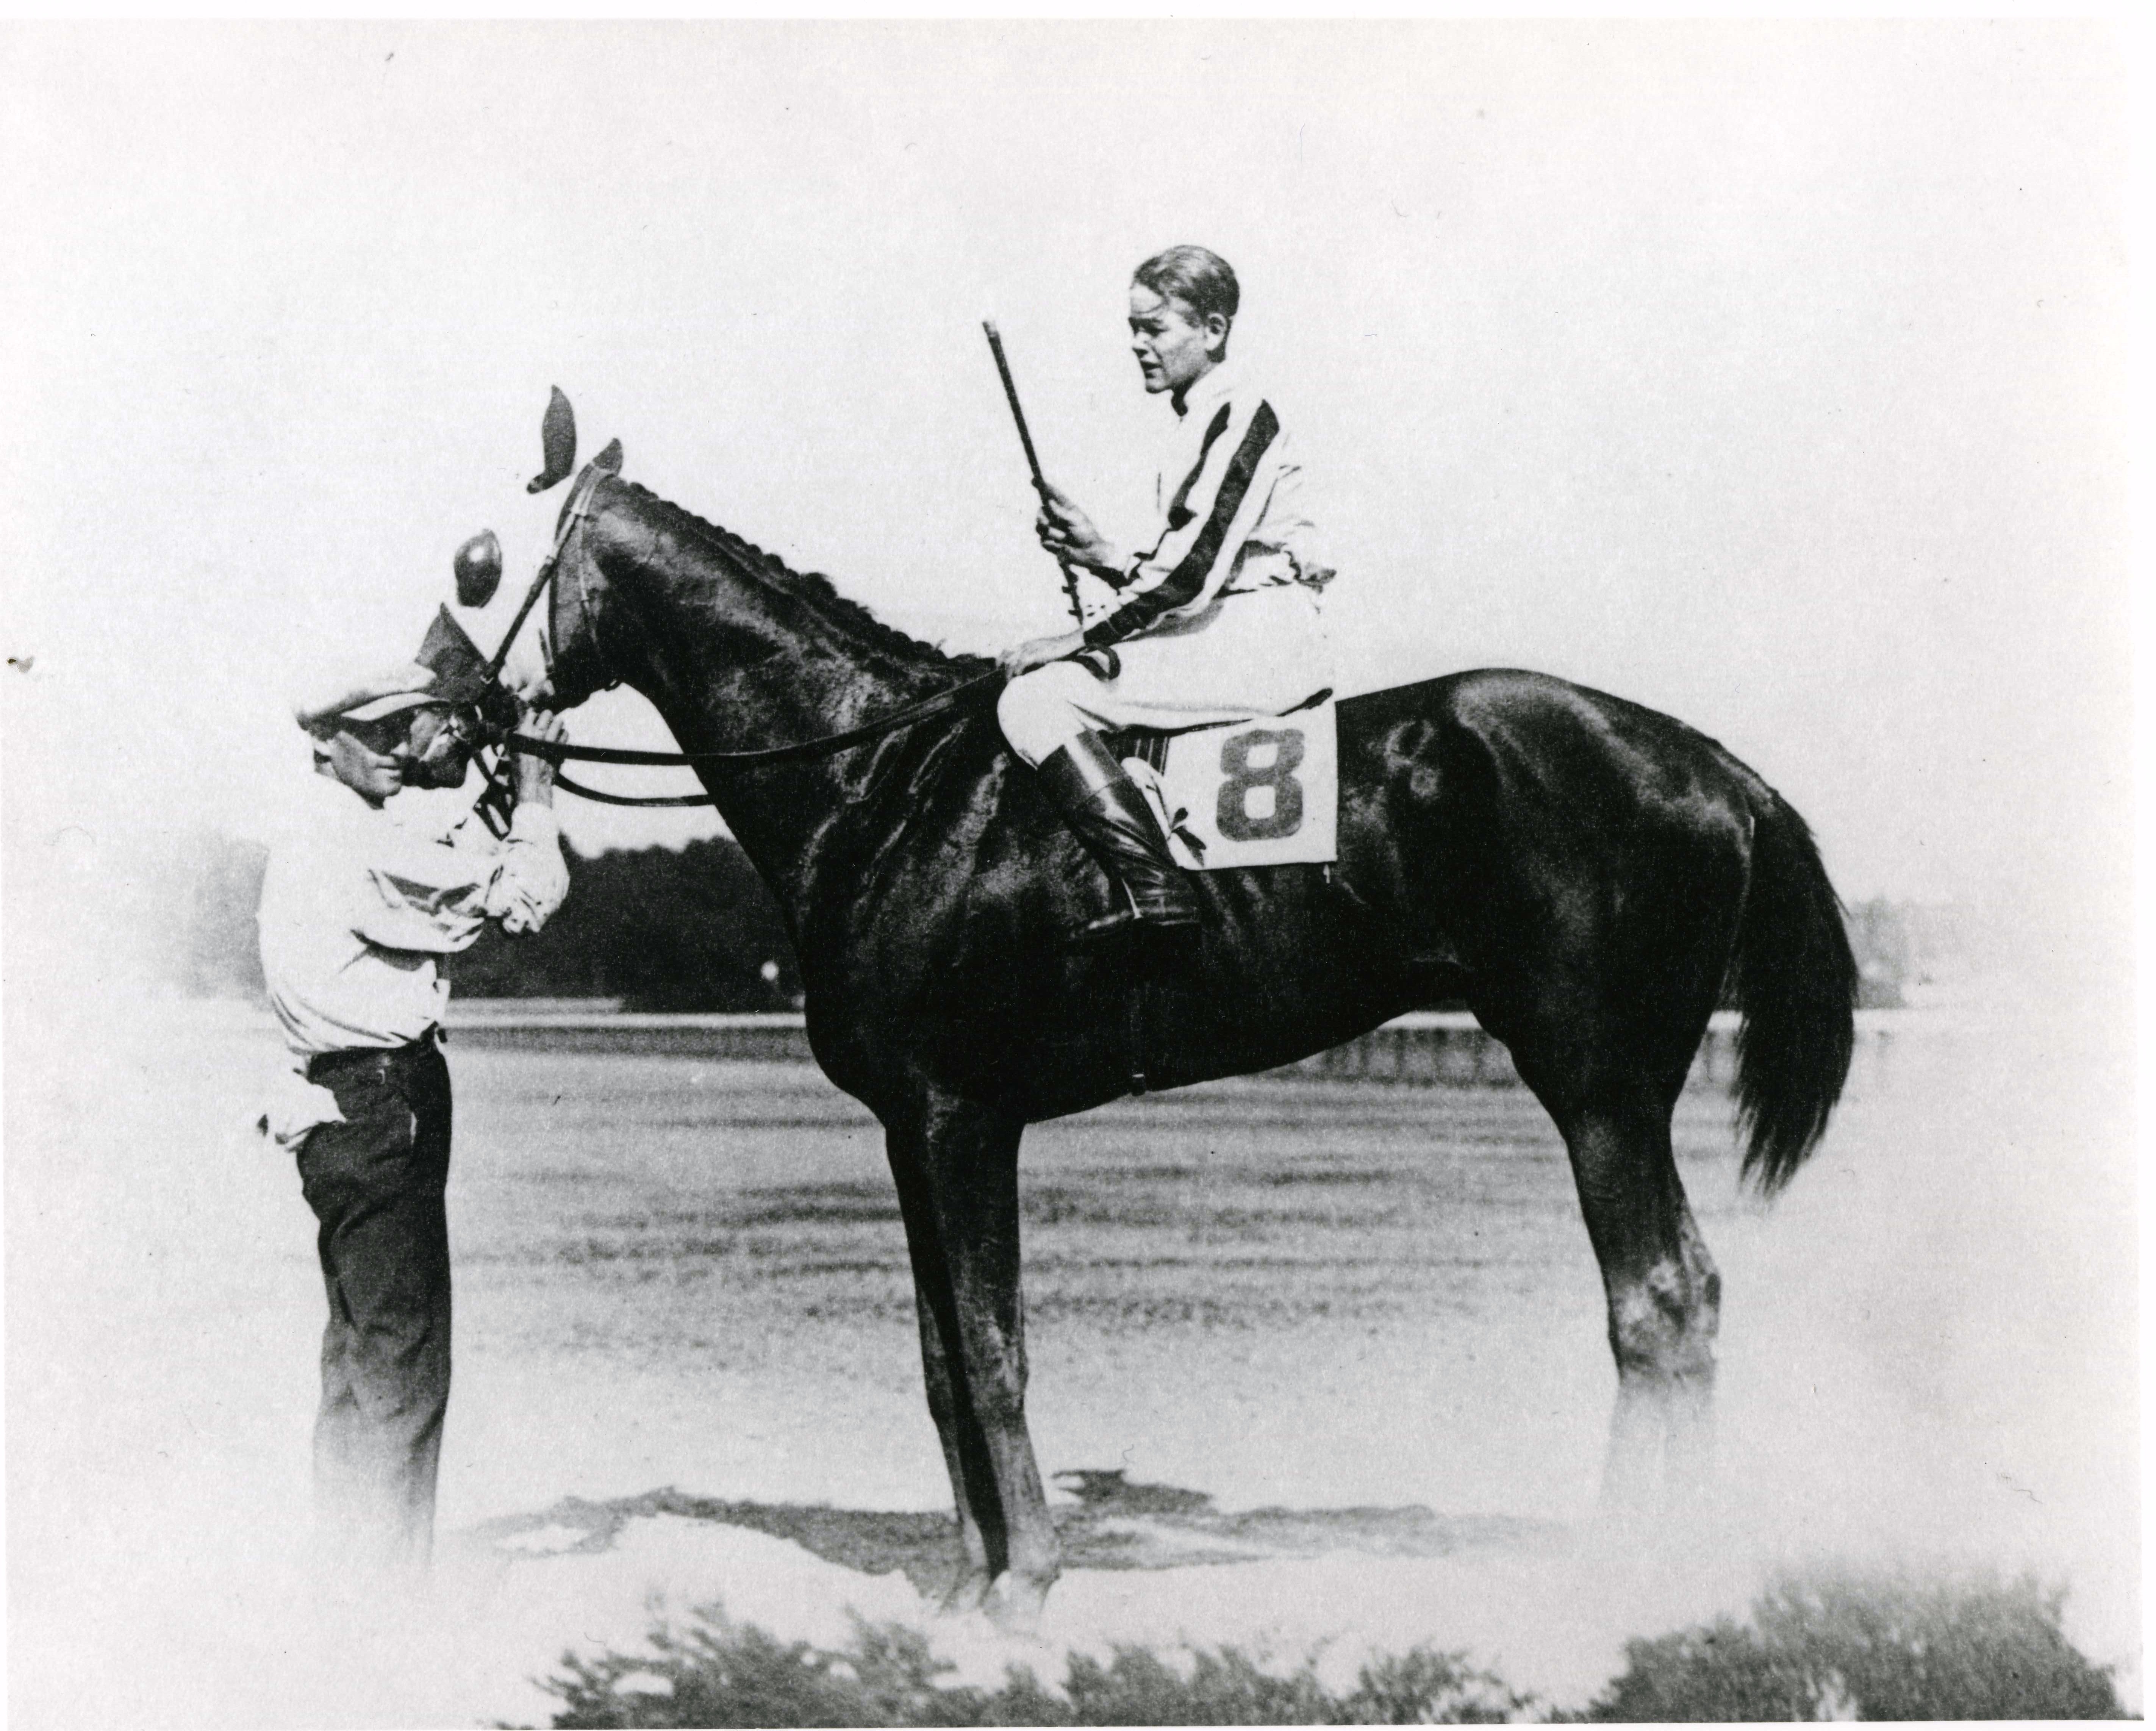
(1039, 652)
(535, 776)
(1068, 532)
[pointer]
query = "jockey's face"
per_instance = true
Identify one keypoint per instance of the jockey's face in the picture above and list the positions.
(1175, 347)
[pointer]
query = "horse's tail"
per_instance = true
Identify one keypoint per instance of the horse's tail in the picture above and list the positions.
(1795, 981)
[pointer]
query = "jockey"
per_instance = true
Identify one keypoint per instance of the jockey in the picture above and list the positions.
(1218, 621)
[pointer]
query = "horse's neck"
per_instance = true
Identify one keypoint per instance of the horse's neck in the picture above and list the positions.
(778, 812)
(813, 675)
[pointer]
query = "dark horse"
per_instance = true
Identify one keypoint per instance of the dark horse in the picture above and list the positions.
(1588, 876)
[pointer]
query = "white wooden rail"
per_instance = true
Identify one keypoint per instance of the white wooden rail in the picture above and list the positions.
(1424, 1047)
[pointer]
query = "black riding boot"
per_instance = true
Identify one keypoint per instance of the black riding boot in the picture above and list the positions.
(1111, 819)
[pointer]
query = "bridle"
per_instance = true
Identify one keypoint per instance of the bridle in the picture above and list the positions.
(494, 801)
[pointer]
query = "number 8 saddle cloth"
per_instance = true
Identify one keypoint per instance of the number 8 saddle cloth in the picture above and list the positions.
(1257, 793)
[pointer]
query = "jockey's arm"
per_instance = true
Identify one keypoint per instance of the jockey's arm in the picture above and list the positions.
(1067, 533)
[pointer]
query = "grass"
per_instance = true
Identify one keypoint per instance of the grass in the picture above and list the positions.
(718, 1672)
(1869, 1646)
(1820, 1645)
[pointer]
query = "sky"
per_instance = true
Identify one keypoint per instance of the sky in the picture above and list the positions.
(1770, 375)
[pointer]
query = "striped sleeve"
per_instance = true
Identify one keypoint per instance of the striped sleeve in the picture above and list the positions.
(1197, 550)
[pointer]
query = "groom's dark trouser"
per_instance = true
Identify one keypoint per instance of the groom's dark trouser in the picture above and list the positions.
(375, 1183)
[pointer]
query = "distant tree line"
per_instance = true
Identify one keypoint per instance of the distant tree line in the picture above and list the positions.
(694, 929)
(662, 930)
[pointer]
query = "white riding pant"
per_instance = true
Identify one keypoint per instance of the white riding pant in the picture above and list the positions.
(1258, 654)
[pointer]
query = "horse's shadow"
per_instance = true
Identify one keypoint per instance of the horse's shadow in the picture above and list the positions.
(1114, 1524)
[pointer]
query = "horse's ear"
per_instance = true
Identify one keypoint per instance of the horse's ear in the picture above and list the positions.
(609, 459)
(557, 444)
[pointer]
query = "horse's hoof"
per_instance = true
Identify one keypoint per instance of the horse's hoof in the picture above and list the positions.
(967, 1595)
(1013, 1604)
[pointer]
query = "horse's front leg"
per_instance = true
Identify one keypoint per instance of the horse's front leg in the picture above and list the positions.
(955, 1164)
(964, 1458)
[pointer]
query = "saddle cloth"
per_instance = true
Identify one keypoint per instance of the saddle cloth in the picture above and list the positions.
(1257, 793)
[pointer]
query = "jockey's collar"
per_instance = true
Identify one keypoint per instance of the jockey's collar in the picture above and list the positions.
(1202, 393)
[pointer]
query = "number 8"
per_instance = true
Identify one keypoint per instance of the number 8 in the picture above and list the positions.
(1233, 815)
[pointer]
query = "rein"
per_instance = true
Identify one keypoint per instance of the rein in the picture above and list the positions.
(558, 752)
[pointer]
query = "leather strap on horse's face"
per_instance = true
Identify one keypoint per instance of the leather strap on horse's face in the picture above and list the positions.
(574, 619)
(495, 800)
(573, 515)
(576, 515)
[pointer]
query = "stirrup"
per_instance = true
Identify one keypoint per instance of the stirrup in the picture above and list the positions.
(1124, 926)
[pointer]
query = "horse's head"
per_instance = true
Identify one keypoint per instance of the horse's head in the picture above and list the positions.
(576, 665)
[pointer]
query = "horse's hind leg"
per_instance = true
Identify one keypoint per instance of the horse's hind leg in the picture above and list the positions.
(1603, 1008)
(957, 1168)
(1613, 1106)
(1664, 1296)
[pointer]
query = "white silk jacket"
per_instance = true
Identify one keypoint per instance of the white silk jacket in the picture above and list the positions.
(1232, 518)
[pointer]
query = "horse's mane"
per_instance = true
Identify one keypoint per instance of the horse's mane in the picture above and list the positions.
(810, 586)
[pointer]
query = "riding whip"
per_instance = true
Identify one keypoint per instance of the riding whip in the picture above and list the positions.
(1031, 461)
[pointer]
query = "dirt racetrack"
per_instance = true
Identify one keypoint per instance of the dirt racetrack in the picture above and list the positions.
(1313, 1363)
